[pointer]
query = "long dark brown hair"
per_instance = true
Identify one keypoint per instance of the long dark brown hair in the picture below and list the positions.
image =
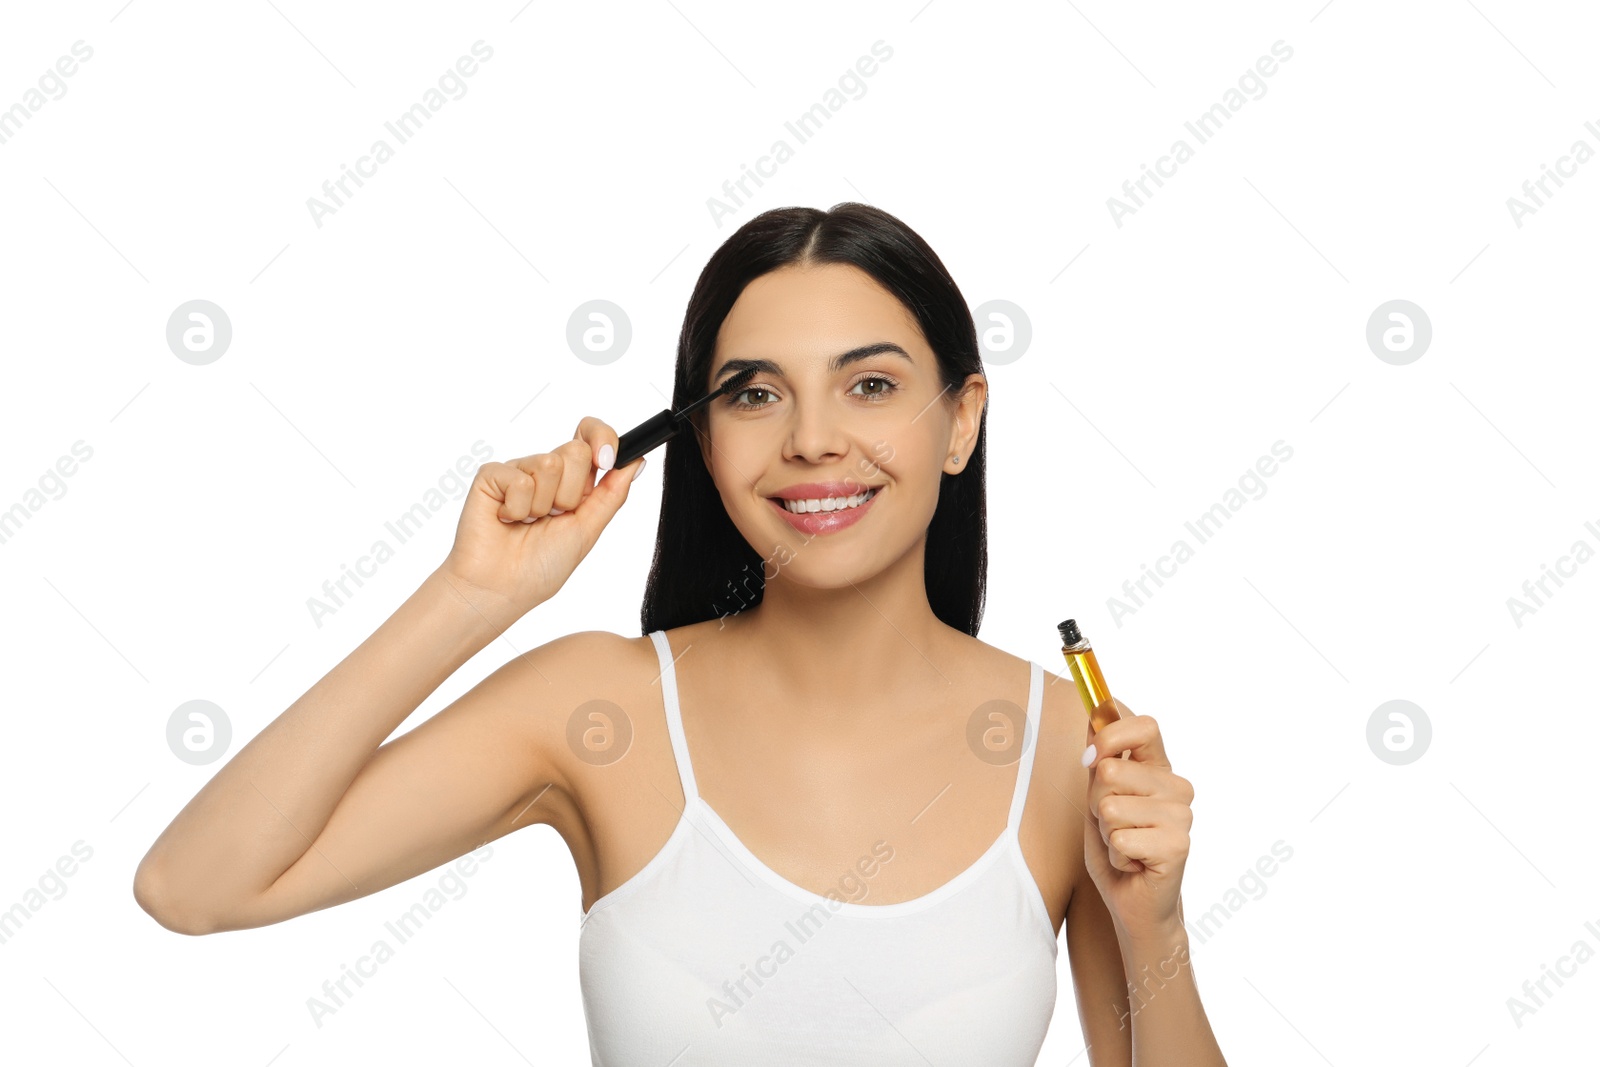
(703, 568)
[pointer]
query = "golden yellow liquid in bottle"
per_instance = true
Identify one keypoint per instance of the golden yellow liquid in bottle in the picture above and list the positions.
(1092, 688)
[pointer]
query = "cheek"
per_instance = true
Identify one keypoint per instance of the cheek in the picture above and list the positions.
(907, 455)
(736, 457)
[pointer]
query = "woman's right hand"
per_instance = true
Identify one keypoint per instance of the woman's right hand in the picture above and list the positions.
(529, 522)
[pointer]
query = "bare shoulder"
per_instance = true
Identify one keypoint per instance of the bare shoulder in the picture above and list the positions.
(567, 698)
(1061, 715)
(563, 674)
(577, 661)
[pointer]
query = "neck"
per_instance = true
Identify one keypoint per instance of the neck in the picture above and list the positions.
(870, 637)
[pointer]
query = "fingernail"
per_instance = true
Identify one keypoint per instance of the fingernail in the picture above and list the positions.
(639, 470)
(607, 454)
(530, 518)
(558, 511)
(1088, 755)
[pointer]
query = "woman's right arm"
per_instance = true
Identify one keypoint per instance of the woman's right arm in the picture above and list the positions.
(313, 812)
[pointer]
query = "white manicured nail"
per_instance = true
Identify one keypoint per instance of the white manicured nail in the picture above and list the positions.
(638, 470)
(1088, 755)
(606, 456)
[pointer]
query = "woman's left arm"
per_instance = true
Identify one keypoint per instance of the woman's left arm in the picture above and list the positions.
(1135, 850)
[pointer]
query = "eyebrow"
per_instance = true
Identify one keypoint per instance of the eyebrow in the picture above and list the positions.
(839, 362)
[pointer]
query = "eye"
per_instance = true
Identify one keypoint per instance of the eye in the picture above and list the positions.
(888, 385)
(733, 398)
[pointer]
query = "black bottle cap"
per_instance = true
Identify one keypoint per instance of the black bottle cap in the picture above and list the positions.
(1070, 634)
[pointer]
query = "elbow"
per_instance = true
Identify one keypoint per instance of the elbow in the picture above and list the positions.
(154, 896)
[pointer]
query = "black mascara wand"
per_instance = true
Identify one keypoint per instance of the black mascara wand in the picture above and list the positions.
(666, 424)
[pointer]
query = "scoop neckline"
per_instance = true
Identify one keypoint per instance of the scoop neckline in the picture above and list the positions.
(761, 869)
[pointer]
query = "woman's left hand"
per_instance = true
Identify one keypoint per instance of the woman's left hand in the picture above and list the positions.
(1137, 838)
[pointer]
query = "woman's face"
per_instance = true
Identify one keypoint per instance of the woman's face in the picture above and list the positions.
(881, 420)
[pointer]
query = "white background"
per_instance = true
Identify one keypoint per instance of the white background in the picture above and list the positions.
(1167, 356)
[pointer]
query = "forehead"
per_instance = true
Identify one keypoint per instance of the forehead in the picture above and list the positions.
(808, 314)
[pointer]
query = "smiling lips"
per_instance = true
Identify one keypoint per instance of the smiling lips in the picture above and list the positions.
(824, 507)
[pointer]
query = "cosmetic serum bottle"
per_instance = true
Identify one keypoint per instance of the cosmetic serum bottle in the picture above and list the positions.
(1086, 672)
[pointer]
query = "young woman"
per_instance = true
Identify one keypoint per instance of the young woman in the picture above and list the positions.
(814, 818)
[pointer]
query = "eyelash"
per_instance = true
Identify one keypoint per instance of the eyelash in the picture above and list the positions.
(890, 383)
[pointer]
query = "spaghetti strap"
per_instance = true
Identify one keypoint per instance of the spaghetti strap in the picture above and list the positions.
(669, 698)
(1030, 743)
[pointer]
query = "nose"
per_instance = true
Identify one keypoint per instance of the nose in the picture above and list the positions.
(816, 434)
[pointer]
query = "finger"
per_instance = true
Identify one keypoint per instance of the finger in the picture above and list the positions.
(602, 441)
(577, 475)
(1139, 735)
(1114, 855)
(1119, 811)
(1154, 847)
(1128, 813)
(601, 505)
(545, 468)
(510, 487)
(1115, 777)
(1117, 708)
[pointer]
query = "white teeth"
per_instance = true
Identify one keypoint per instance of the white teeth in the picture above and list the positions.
(832, 503)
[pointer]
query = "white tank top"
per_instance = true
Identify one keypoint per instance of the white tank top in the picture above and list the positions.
(708, 957)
